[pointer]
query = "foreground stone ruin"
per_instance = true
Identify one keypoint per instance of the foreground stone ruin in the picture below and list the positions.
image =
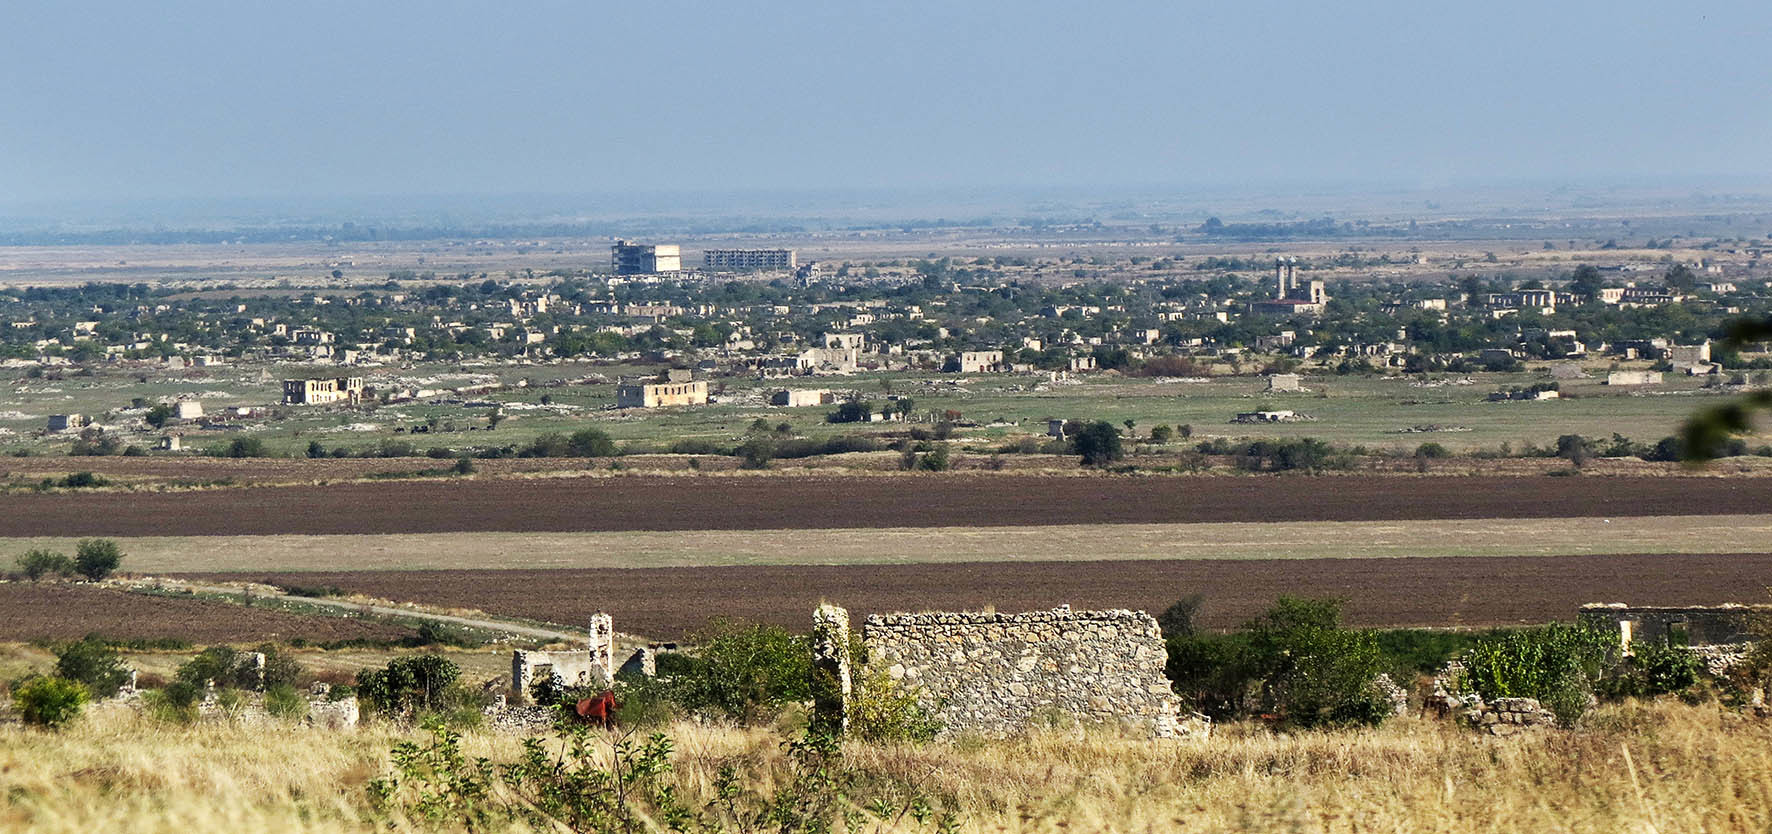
(594, 667)
(995, 673)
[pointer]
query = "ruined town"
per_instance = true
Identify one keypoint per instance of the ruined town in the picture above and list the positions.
(971, 418)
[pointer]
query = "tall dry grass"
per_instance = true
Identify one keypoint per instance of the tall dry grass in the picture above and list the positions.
(1665, 767)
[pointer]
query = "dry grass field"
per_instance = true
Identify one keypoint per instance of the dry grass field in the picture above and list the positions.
(1661, 767)
(932, 545)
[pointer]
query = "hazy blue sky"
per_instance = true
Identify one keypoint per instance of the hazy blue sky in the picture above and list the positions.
(181, 99)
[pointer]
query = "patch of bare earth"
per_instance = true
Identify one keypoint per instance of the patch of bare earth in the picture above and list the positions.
(61, 611)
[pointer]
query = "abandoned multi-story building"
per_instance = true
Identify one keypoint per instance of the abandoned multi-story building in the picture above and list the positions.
(323, 391)
(745, 259)
(674, 387)
(644, 258)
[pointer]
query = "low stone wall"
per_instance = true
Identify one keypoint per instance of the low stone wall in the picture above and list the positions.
(249, 710)
(1507, 716)
(995, 673)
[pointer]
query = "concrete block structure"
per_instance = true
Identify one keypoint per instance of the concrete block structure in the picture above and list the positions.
(1283, 382)
(797, 398)
(644, 258)
(981, 361)
(668, 391)
(323, 391)
(1634, 378)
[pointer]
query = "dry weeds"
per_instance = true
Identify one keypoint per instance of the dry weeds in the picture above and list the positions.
(1656, 767)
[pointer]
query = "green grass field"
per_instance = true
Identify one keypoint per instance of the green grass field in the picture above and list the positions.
(1348, 410)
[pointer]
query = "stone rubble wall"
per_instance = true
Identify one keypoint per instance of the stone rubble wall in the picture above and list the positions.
(831, 672)
(249, 711)
(995, 673)
(1507, 716)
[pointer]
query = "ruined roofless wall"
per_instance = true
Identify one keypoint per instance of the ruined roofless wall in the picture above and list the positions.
(992, 673)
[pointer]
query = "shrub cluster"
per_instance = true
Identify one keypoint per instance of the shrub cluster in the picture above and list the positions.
(1294, 663)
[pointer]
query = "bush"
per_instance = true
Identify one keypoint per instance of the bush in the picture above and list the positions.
(283, 701)
(1161, 434)
(745, 672)
(93, 664)
(571, 782)
(880, 710)
(756, 453)
(934, 460)
(1315, 673)
(1304, 453)
(176, 702)
(1557, 664)
(1098, 443)
(1432, 450)
(853, 411)
(591, 443)
(244, 447)
(49, 702)
(408, 684)
(82, 480)
(223, 665)
(1178, 619)
(281, 669)
(1656, 667)
(698, 446)
(1212, 674)
(96, 559)
(1294, 663)
(36, 564)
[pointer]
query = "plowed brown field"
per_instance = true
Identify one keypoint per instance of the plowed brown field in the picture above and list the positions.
(53, 611)
(1445, 591)
(770, 502)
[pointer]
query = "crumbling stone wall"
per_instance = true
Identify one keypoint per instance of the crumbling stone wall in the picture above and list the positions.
(994, 673)
(1705, 625)
(594, 667)
(830, 667)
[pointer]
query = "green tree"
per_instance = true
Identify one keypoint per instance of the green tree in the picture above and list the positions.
(408, 683)
(158, 415)
(94, 664)
(745, 671)
(96, 559)
(1098, 443)
(1586, 282)
(1315, 673)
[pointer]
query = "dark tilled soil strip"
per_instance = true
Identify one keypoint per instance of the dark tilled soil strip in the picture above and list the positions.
(55, 611)
(739, 503)
(667, 602)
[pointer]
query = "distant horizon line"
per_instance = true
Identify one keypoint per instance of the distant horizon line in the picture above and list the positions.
(1251, 186)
